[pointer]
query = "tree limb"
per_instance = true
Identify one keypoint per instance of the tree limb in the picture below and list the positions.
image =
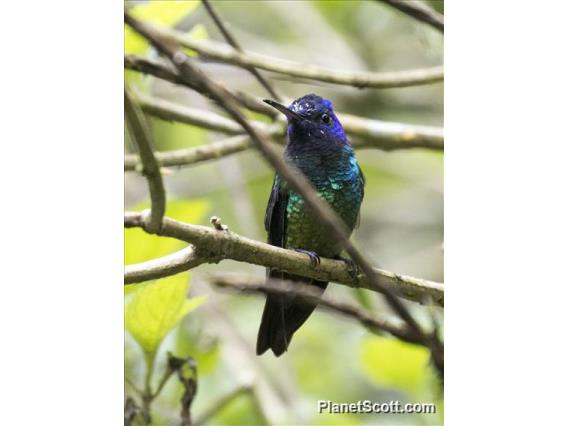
(419, 12)
(372, 133)
(140, 134)
(172, 264)
(211, 246)
(367, 133)
(164, 72)
(359, 79)
(187, 156)
(311, 295)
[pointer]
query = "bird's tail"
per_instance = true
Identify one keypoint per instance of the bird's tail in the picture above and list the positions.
(282, 316)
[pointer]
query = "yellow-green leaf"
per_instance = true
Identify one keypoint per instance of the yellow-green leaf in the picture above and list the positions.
(156, 308)
(395, 364)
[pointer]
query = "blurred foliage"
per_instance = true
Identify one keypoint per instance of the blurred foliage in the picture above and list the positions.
(396, 364)
(401, 228)
(191, 342)
(165, 13)
(156, 307)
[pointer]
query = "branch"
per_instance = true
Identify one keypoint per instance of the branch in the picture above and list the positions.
(187, 156)
(212, 246)
(295, 179)
(359, 79)
(418, 11)
(140, 134)
(368, 134)
(164, 72)
(171, 111)
(172, 264)
(233, 42)
(310, 295)
(379, 134)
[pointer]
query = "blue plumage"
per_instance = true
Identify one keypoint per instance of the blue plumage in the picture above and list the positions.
(318, 146)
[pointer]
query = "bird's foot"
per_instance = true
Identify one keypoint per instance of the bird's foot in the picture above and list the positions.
(352, 267)
(314, 258)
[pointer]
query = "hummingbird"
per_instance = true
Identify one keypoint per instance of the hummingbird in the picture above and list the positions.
(318, 147)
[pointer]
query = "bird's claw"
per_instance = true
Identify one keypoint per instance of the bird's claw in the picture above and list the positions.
(352, 267)
(314, 258)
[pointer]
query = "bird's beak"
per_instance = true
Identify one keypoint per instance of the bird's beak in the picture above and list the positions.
(291, 115)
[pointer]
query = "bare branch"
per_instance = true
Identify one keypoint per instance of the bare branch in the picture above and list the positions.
(140, 134)
(375, 133)
(418, 11)
(187, 156)
(360, 79)
(367, 133)
(164, 72)
(172, 264)
(171, 111)
(233, 42)
(385, 135)
(297, 181)
(311, 295)
(212, 246)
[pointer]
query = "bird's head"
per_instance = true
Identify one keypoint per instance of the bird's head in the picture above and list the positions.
(311, 119)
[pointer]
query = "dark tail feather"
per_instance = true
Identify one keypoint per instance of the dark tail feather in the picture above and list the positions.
(282, 316)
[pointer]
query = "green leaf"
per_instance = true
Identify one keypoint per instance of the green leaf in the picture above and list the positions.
(140, 246)
(156, 308)
(392, 363)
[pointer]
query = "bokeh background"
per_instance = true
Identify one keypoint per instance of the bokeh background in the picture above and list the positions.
(331, 357)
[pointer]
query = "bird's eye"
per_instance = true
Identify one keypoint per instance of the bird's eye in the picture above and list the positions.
(326, 118)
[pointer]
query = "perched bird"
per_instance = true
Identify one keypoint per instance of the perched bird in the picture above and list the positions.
(318, 147)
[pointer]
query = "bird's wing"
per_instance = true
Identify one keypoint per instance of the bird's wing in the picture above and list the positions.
(361, 181)
(275, 218)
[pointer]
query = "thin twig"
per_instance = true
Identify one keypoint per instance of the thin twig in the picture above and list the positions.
(297, 181)
(140, 134)
(186, 370)
(360, 79)
(131, 409)
(212, 246)
(310, 295)
(133, 386)
(233, 42)
(419, 12)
